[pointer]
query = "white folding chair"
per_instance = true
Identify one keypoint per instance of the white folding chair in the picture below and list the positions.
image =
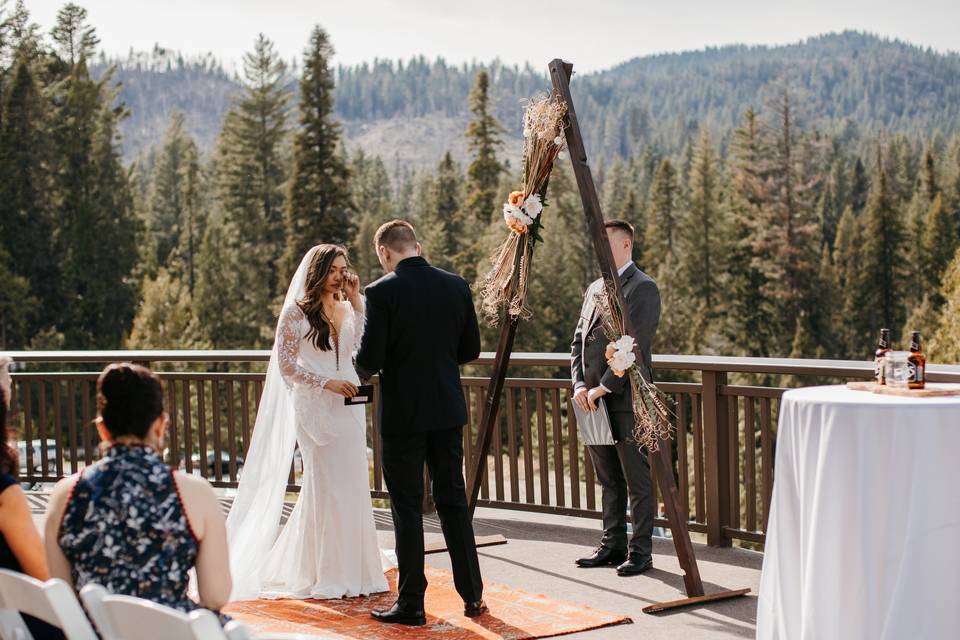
(92, 596)
(52, 601)
(130, 618)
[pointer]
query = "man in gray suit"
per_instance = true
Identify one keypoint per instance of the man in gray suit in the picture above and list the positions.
(622, 468)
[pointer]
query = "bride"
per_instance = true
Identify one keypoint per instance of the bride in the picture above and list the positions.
(328, 548)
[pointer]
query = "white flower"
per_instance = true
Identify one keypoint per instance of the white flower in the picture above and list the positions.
(513, 212)
(625, 343)
(526, 132)
(558, 141)
(622, 361)
(561, 155)
(532, 205)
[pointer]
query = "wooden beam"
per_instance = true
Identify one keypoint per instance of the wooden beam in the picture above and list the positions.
(560, 73)
(482, 541)
(658, 607)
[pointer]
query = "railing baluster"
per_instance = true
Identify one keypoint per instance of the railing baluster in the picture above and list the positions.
(733, 422)
(467, 428)
(58, 447)
(497, 448)
(187, 426)
(543, 458)
(72, 425)
(558, 474)
(766, 453)
(481, 395)
(749, 462)
(174, 436)
(217, 444)
(573, 452)
(88, 431)
(683, 463)
(696, 411)
(527, 448)
(28, 426)
(245, 415)
(42, 429)
(202, 427)
(231, 432)
(512, 448)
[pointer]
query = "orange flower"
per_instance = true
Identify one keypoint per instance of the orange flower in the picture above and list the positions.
(516, 198)
(518, 227)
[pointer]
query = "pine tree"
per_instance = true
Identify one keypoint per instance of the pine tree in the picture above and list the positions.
(750, 324)
(852, 324)
(372, 197)
(16, 306)
(164, 317)
(442, 223)
(26, 221)
(165, 216)
(939, 244)
(90, 193)
(945, 346)
(484, 141)
(859, 187)
(318, 206)
(703, 228)
(251, 167)
(786, 240)
(662, 217)
(881, 257)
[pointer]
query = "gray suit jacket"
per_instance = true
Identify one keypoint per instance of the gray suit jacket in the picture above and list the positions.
(588, 362)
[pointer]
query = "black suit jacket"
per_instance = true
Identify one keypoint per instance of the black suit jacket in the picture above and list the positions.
(588, 360)
(421, 326)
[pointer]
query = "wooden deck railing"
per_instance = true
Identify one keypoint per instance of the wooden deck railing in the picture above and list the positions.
(726, 416)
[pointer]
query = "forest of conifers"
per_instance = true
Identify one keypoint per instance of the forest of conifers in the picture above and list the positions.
(788, 201)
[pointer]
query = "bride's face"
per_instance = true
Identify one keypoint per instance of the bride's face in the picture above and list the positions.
(336, 275)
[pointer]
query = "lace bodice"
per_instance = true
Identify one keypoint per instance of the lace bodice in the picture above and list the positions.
(302, 363)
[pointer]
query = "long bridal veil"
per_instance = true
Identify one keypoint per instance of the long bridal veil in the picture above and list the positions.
(255, 516)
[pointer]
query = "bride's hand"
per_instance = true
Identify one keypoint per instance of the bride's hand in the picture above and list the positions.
(344, 387)
(351, 286)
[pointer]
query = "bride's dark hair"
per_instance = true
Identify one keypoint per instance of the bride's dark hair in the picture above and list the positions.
(312, 302)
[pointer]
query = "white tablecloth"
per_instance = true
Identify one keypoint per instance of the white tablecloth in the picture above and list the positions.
(863, 539)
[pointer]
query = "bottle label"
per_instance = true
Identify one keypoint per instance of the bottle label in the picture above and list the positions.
(914, 372)
(878, 369)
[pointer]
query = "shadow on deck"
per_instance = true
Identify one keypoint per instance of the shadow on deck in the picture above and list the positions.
(539, 558)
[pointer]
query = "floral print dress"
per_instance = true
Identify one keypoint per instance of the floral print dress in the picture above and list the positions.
(125, 528)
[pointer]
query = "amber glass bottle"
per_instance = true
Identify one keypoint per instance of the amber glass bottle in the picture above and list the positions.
(916, 363)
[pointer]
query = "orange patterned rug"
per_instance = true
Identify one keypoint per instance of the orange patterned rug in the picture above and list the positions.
(514, 615)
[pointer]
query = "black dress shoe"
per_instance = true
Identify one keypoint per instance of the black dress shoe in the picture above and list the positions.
(474, 609)
(603, 557)
(401, 613)
(635, 565)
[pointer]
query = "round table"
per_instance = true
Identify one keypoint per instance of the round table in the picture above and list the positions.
(863, 539)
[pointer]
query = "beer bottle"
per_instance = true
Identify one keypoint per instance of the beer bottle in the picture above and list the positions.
(882, 348)
(916, 363)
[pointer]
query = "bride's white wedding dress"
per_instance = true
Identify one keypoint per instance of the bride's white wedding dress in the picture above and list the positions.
(328, 548)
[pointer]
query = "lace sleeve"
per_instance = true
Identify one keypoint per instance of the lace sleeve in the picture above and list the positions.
(288, 348)
(359, 320)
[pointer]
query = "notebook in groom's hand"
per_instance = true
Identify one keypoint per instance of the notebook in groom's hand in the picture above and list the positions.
(364, 395)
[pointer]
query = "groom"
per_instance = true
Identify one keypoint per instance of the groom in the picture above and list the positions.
(421, 326)
(621, 468)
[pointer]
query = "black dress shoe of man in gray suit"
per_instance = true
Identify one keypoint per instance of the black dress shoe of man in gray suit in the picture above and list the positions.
(622, 468)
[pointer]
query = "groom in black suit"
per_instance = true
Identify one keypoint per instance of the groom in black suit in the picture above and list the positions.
(421, 326)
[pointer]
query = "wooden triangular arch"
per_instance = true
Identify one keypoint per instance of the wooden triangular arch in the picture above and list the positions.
(660, 462)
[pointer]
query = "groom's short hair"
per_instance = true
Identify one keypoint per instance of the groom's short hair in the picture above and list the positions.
(396, 235)
(620, 225)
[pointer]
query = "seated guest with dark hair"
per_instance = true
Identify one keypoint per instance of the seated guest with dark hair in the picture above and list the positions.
(20, 547)
(131, 523)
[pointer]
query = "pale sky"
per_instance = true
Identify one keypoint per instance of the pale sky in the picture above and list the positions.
(594, 34)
